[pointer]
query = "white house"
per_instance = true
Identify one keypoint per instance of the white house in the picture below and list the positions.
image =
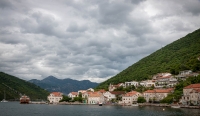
(191, 94)
(90, 89)
(130, 97)
(96, 98)
(135, 83)
(109, 95)
(113, 87)
(161, 75)
(147, 83)
(81, 91)
(73, 95)
(168, 81)
(55, 97)
(156, 94)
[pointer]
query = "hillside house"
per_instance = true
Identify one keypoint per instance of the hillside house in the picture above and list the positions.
(127, 84)
(130, 98)
(157, 94)
(147, 83)
(113, 87)
(159, 75)
(185, 74)
(191, 94)
(166, 81)
(55, 97)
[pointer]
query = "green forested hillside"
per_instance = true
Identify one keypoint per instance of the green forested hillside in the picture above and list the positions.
(13, 86)
(180, 55)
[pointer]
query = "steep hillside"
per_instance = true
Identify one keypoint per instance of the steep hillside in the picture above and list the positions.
(14, 86)
(179, 55)
(63, 85)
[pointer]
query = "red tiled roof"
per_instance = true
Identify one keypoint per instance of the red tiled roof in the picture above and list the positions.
(149, 91)
(95, 94)
(119, 84)
(192, 86)
(164, 77)
(117, 92)
(56, 93)
(159, 90)
(102, 91)
(74, 93)
(195, 90)
(130, 93)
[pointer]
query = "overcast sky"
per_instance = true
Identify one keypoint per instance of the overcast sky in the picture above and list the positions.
(88, 39)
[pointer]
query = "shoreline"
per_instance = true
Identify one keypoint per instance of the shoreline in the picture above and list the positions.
(139, 104)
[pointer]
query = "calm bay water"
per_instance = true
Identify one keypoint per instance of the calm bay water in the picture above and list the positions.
(16, 109)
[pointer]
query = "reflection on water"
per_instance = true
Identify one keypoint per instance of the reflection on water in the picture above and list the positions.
(16, 109)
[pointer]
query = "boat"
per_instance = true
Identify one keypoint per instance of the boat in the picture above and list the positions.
(175, 106)
(100, 103)
(135, 104)
(24, 99)
(4, 100)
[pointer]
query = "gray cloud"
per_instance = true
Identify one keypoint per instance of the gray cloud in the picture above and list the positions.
(86, 39)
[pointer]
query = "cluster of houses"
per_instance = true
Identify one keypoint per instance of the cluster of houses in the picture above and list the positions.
(163, 84)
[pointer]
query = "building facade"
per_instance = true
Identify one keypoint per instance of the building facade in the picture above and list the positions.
(191, 94)
(55, 97)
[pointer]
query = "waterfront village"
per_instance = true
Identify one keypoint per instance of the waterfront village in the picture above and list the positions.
(157, 89)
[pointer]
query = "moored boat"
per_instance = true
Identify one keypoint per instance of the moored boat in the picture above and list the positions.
(100, 104)
(4, 100)
(135, 104)
(24, 99)
(175, 106)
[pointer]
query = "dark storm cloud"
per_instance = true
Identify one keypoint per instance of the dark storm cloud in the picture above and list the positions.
(87, 39)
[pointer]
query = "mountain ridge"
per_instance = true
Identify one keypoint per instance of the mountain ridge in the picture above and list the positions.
(179, 55)
(14, 87)
(65, 86)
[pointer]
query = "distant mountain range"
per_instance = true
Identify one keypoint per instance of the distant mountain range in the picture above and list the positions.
(181, 54)
(65, 86)
(14, 87)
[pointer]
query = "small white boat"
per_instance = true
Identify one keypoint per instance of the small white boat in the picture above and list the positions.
(175, 106)
(135, 104)
(100, 104)
(4, 100)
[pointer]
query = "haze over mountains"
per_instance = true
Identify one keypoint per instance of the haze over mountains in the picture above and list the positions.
(65, 86)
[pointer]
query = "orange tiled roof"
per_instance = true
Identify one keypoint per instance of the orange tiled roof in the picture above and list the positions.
(56, 93)
(117, 92)
(195, 90)
(159, 91)
(74, 93)
(102, 91)
(164, 77)
(192, 86)
(95, 94)
(131, 93)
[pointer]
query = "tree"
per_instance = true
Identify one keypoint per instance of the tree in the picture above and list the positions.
(141, 100)
(65, 98)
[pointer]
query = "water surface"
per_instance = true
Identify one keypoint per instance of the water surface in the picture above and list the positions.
(16, 109)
